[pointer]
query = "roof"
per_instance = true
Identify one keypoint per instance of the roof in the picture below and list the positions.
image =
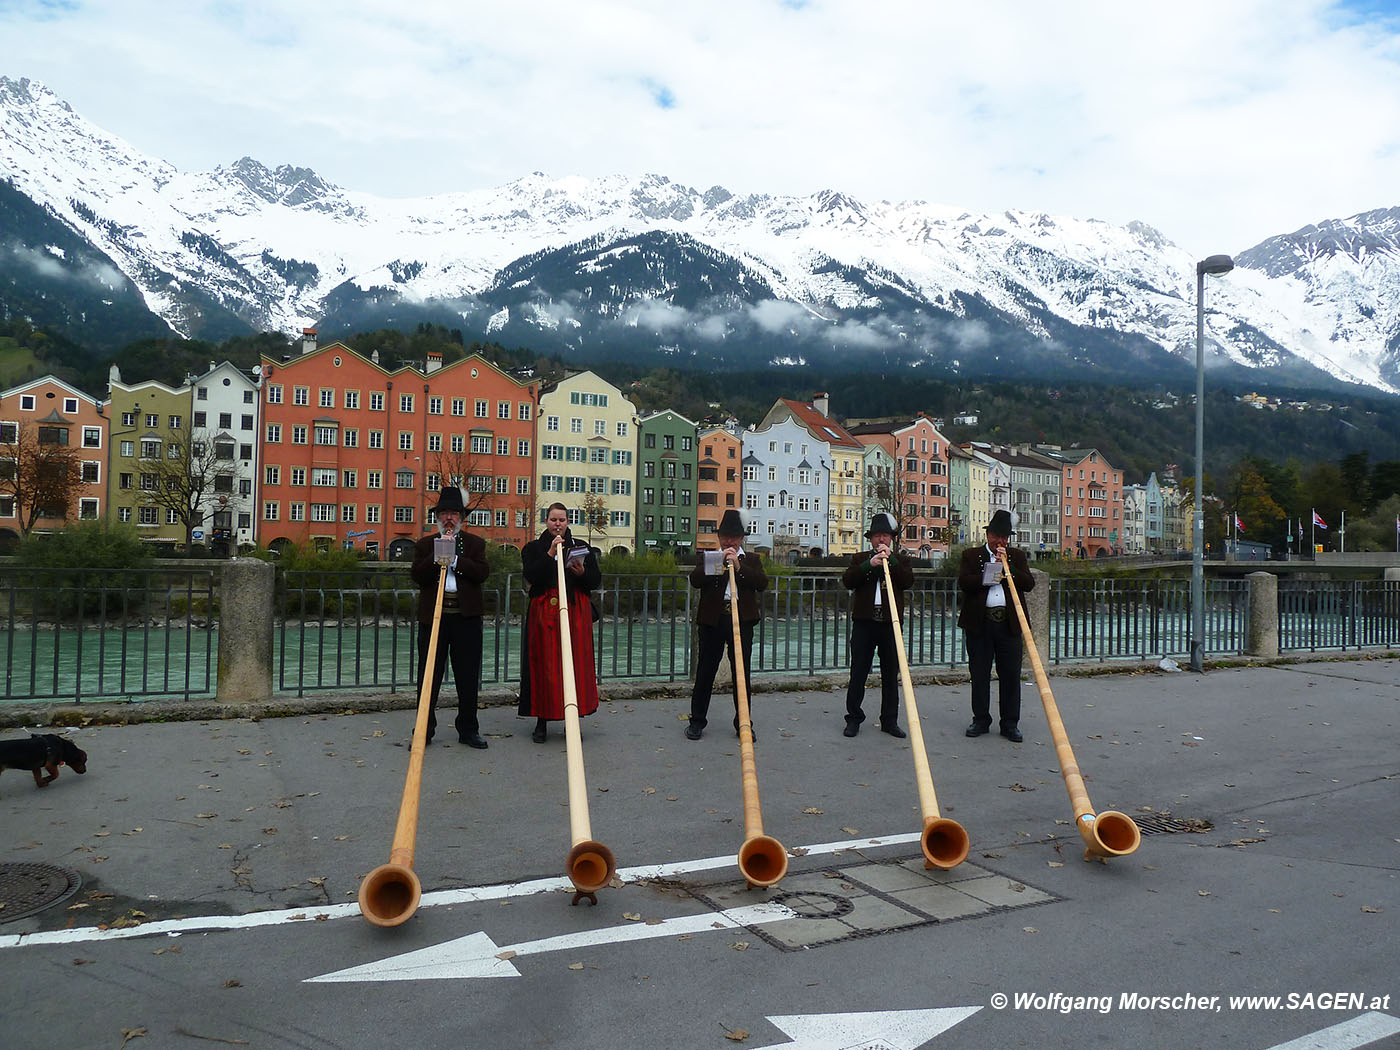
(821, 426)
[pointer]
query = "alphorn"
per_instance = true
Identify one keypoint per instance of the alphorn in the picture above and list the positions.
(762, 859)
(590, 864)
(944, 841)
(1106, 834)
(389, 894)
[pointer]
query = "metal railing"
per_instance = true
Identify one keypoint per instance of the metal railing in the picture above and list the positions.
(1338, 614)
(80, 634)
(83, 635)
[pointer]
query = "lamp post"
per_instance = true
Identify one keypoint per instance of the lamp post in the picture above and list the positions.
(1215, 264)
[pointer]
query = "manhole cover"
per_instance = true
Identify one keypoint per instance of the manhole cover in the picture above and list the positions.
(1166, 824)
(29, 888)
(815, 905)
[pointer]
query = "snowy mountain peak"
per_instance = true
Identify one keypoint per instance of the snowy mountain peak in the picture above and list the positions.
(294, 187)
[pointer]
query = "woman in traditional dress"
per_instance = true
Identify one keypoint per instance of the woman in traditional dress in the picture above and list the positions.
(541, 674)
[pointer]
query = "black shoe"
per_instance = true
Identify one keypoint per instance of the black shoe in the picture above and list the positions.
(977, 730)
(428, 739)
(540, 733)
(852, 728)
(694, 732)
(893, 730)
(1013, 734)
(473, 740)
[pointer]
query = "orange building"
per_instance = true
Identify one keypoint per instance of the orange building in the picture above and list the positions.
(1092, 518)
(353, 455)
(41, 412)
(719, 486)
(920, 455)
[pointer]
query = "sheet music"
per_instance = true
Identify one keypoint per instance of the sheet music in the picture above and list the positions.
(576, 555)
(991, 573)
(714, 563)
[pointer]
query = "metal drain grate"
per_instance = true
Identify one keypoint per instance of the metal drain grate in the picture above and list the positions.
(29, 888)
(1166, 824)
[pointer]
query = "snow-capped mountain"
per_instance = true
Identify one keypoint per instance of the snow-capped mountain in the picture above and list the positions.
(637, 266)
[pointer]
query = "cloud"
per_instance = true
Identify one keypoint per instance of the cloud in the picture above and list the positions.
(1219, 123)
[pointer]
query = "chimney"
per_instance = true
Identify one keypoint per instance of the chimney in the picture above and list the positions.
(114, 375)
(821, 402)
(374, 356)
(434, 361)
(308, 340)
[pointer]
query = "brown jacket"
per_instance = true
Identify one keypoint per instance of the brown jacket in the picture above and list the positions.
(750, 577)
(974, 596)
(471, 571)
(861, 577)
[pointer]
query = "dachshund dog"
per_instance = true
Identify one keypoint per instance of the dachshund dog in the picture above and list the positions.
(42, 754)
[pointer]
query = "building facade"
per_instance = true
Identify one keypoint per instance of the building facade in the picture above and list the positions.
(667, 483)
(842, 456)
(784, 489)
(587, 438)
(159, 464)
(224, 412)
(39, 421)
(718, 482)
(1093, 503)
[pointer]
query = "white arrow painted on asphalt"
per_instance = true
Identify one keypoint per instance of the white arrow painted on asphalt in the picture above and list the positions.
(877, 1030)
(476, 955)
(1359, 1031)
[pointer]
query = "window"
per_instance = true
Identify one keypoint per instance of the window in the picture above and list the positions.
(598, 486)
(123, 513)
(324, 476)
(125, 481)
(648, 440)
(482, 408)
(622, 457)
(522, 447)
(146, 516)
(481, 445)
(323, 512)
(348, 479)
(405, 441)
(325, 435)
(350, 438)
(597, 455)
(298, 477)
(272, 475)
(91, 472)
(600, 428)
(573, 484)
(621, 430)
(247, 400)
(621, 519)
(458, 443)
(26, 402)
(199, 419)
(347, 512)
(327, 397)
(296, 511)
(352, 399)
(92, 437)
(150, 448)
(524, 411)
(245, 422)
(376, 439)
(225, 420)
(502, 409)
(70, 405)
(551, 423)
(403, 515)
(376, 401)
(128, 448)
(201, 393)
(686, 441)
(298, 434)
(434, 442)
(403, 479)
(459, 406)
(522, 486)
(301, 395)
(503, 485)
(503, 446)
(501, 519)
(406, 403)
(223, 482)
(245, 451)
(374, 479)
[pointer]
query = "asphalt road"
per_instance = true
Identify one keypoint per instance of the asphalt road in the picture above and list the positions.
(220, 861)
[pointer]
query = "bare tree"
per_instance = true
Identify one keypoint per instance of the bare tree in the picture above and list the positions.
(195, 470)
(595, 516)
(40, 475)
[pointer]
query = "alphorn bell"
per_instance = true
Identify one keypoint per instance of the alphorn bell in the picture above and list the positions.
(390, 893)
(944, 841)
(590, 864)
(1106, 834)
(762, 859)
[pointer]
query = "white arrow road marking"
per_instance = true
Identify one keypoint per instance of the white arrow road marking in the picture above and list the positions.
(877, 1030)
(476, 955)
(1359, 1031)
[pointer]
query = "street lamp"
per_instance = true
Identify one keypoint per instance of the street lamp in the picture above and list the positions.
(1215, 264)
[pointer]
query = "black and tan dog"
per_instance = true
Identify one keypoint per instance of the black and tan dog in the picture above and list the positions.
(42, 754)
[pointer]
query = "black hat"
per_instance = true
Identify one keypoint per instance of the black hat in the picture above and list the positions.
(731, 524)
(450, 499)
(881, 522)
(1002, 524)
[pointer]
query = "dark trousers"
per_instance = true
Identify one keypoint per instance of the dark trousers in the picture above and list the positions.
(998, 642)
(714, 642)
(867, 638)
(459, 637)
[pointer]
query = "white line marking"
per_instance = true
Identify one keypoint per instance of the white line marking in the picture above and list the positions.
(466, 895)
(476, 955)
(883, 1029)
(1359, 1031)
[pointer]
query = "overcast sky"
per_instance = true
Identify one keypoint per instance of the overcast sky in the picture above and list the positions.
(1221, 122)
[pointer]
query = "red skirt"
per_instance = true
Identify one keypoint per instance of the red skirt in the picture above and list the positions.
(546, 670)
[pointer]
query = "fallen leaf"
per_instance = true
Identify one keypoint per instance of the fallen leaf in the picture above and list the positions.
(851, 831)
(1029, 929)
(319, 880)
(507, 954)
(1055, 863)
(798, 851)
(632, 915)
(206, 816)
(576, 966)
(736, 1034)
(128, 1034)
(740, 946)
(813, 810)
(233, 982)
(1021, 787)
(653, 922)
(1203, 893)
(1370, 910)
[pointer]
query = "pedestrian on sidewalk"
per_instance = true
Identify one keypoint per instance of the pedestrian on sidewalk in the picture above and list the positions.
(714, 618)
(874, 615)
(541, 669)
(990, 628)
(459, 629)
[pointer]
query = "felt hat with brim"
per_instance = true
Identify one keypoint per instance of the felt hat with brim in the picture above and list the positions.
(881, 522)
(1001, 524)
(731, 524)
(450, 499)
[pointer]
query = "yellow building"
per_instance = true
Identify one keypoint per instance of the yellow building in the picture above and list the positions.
(159, 466)
(979, 500)
(586, 436)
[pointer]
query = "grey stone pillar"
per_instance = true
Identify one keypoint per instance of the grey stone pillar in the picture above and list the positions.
(1392, 574)
(245, 631)
(1261, 636)
(1038, 612)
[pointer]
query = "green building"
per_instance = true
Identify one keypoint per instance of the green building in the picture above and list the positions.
(666, 483)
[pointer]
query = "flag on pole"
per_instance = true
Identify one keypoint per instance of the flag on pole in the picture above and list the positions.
(1317, 520)
(1239, 525)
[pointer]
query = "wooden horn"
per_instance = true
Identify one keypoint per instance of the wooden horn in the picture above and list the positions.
(944, 841)
(1107, 834)
(389, 894)
(590, 865)
(762, 859)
